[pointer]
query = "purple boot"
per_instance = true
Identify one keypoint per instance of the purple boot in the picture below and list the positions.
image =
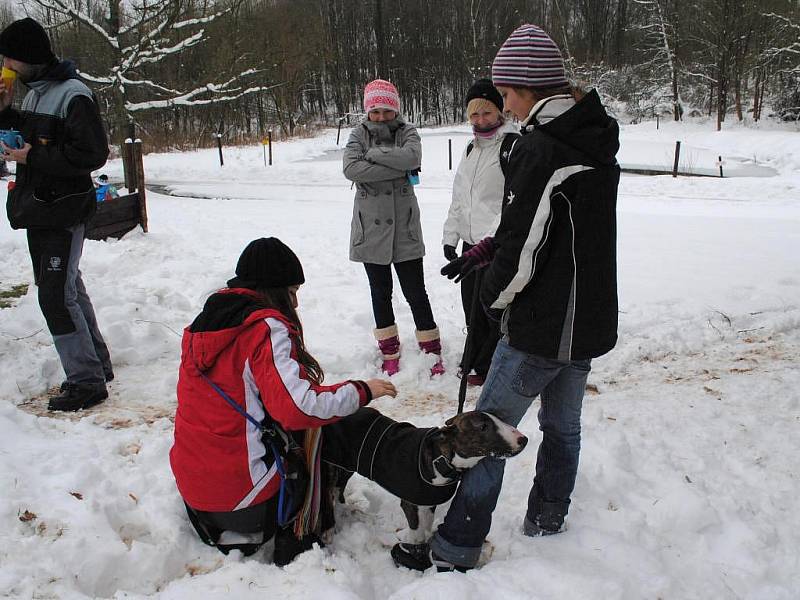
(430, 343)
(389, 344)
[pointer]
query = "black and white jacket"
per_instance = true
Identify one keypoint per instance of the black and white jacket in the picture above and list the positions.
(60, 119)
(554, 272)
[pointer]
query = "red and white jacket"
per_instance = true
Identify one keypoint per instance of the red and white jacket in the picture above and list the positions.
(218, 459)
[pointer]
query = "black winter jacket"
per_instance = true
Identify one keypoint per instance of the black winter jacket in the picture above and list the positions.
(554, 272)
(60, 119)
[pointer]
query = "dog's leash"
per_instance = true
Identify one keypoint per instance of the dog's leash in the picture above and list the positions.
(467, 360)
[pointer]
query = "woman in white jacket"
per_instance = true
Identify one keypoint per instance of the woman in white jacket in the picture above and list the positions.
(475, 209)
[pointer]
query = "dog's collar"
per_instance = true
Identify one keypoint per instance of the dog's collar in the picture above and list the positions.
(441, 467)
(445, 468)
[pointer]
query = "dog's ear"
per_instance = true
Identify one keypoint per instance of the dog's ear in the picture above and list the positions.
(451, 422)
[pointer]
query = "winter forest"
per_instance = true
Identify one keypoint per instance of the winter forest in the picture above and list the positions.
(184, 69)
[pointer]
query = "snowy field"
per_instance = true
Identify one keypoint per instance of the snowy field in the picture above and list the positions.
(688, 485)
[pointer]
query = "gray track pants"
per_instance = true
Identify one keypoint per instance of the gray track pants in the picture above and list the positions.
(56, 254)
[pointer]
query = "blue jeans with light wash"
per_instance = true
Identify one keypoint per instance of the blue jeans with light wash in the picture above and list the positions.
(514, 380)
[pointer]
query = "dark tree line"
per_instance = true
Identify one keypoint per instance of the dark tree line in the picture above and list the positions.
(184, 69)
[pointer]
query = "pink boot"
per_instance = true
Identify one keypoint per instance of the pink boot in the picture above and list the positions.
(430, 343)
(389, 344)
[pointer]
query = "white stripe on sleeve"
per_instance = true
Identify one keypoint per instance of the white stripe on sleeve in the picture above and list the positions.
(323, 405)
(529, 253)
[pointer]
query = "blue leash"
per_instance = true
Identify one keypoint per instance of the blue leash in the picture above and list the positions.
(270, 432)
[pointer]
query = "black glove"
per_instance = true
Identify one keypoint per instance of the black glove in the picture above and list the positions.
(476, 257)
(450, 252)
(459, 268)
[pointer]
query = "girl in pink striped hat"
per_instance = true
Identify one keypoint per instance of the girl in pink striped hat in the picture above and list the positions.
(382, 157)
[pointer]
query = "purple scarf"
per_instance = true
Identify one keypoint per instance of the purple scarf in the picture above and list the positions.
(487, 132)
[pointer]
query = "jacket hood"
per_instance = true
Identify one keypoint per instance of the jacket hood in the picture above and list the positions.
(59, 71)
(226, 314)
(587, 128)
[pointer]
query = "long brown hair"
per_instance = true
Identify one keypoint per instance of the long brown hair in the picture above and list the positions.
(280, 299)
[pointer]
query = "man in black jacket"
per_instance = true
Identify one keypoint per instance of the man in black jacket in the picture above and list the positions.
(551, 281)
(53, 198)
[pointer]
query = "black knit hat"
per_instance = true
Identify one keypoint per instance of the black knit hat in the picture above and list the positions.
(267, 263)
(26, 41)
(483, 88)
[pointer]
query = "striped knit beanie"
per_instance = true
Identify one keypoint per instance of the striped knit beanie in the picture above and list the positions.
(381, 94)
(529, 58)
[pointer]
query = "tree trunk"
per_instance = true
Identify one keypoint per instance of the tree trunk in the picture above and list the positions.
(380, 42)
(711, 99)
(618, 56)
(737, 95)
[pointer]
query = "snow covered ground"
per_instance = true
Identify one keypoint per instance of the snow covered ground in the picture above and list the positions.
(688, 482)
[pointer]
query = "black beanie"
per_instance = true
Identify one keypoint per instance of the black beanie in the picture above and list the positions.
(483, 88)
(267, 263)
(26, 41)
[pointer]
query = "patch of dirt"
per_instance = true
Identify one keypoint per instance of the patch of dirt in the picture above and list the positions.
(420, 402)
(113, 413)
(743, 356)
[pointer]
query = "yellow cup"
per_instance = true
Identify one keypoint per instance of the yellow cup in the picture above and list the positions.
(8, 76)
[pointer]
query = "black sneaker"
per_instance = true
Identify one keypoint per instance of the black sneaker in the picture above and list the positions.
(420, 557)
(77, 396)
(107, 375)
(544, 518)
(537, 528)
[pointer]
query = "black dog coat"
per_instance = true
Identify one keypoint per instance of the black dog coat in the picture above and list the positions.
(385, 451)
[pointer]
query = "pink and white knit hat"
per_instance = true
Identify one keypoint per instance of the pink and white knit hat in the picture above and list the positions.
(529, 58)
(381, 94)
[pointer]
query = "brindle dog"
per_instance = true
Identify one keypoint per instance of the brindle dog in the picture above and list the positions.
(420, 466)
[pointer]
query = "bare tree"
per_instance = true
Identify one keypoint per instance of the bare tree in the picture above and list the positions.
(659, 40)
(783, 56)
(137, 39)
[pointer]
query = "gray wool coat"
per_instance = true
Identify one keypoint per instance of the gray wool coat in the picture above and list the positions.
(386, 227)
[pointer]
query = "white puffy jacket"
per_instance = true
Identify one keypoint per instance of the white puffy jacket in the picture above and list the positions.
(477, 191)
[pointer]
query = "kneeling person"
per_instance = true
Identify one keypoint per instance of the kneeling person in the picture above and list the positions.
(243, 366)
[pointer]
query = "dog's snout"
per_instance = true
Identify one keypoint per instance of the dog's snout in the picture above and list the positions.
(522, 441)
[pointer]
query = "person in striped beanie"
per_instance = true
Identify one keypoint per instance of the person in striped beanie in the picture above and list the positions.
(551, 280)
(529, 58)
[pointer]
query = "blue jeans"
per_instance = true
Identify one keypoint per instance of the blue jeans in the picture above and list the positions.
(515, 378)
